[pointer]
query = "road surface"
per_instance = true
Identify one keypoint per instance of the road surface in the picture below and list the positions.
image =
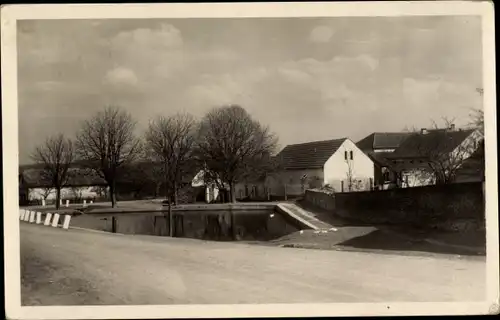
(77, 267)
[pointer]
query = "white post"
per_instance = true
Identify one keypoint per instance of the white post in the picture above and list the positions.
(84, 202)
(22, 212)
(32, 217)
(48, 216)
(55, 220)
(27, 215)
(38, 217)
(67, 219)
(43, 202)
(60, 202)
(91, 201)
(67, 203)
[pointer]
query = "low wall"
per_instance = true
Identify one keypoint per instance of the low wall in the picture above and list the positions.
(450, 207)
(320, 199)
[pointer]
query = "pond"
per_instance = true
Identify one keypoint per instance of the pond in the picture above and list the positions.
(252, 225)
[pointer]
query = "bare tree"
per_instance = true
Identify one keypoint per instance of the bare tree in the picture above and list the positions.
(171, 142)
(46, 192)
(440, 152)
(478, 120)
(353, 184)
(56, 156)
(105, 142)
(231, 144)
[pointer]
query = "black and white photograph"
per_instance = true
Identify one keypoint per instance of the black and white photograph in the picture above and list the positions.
(229, 160)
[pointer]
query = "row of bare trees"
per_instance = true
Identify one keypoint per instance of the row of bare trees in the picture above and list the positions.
(227, 143)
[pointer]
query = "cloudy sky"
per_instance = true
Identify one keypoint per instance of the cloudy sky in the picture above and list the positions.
(307, 78)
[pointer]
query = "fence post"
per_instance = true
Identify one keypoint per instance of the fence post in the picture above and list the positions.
(55, 220)
(285, 193)
(38, 217)
(32, 217)
(113, 224)
(342, 185)
(67, 219)
(48, 216)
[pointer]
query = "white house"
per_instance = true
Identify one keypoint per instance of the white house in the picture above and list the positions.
(82, 184)
(210, 189)
(338, 163)
(431, 155)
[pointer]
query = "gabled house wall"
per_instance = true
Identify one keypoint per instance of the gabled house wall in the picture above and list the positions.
(336, 168)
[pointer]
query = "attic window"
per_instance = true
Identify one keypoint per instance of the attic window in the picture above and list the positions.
(351, 154)
(345, 155)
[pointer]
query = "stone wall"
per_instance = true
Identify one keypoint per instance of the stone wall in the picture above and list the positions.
(455, 206)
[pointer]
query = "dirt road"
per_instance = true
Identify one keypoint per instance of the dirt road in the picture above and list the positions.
(75, 267)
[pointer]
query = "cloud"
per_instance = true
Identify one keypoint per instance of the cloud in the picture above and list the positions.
(121, 76)
(166, 36)
(321, 34)
(363, 79)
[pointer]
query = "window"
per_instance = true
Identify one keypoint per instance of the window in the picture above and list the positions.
(345, 155)
(351, 154)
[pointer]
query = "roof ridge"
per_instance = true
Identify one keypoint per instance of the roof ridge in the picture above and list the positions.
(311, 142)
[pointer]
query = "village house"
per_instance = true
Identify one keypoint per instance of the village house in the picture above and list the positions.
(338, 163)
(34, 186)
(377, 146)
(434, 156)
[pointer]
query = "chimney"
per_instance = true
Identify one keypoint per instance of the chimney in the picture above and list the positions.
(452, 127)
(423, 131)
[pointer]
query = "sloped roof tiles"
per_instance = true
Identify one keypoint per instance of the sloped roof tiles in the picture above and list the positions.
(310, 155)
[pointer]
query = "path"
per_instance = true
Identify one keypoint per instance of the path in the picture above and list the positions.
(75, 267)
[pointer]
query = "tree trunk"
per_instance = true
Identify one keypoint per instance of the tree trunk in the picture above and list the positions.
(112, 193)
(231, 191)
(58, 198)
(175, 193)
(170, 220)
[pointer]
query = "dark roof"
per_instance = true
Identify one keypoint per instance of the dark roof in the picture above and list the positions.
(35, 178)
(380, 158)
(418, 145)
(382, 140)
(310, 155)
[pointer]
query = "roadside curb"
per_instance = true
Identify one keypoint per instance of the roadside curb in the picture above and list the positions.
(95, 231)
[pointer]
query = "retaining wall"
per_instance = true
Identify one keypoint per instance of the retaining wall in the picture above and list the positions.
(455, 206)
